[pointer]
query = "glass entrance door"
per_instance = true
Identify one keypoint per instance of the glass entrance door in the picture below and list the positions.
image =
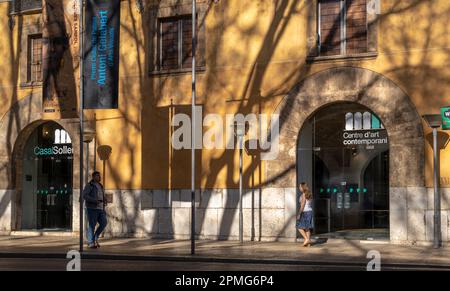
(47, 180)
(350, 209)
(350, 166)
(329, 173)
(54, 193)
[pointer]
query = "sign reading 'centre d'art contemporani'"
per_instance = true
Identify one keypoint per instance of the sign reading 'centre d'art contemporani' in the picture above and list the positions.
(368, 138)
(101, 54)
(445, 112)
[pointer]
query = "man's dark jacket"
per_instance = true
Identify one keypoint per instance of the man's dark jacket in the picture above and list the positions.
(90, 196)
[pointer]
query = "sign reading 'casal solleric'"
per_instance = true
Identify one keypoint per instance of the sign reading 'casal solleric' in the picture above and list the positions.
(445, 112)
(53, 151)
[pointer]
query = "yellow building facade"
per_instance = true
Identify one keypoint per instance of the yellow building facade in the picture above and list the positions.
(350, 123)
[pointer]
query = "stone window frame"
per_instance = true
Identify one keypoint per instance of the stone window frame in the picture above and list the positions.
(26, 7)
(169, 9)
(29, 31)
(373, 7)
(179, 21)
(30, 48)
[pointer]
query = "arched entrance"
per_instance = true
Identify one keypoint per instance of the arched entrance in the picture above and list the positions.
(343, 153)
(384, 98)
(47, 176)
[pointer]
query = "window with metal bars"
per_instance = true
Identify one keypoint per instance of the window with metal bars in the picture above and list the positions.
(25, 5)
(342, 27)
(35, 58)
(175, 43)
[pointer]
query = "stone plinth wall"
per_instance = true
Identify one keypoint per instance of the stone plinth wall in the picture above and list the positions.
(412, 214)
(269, 214)
(5, 210)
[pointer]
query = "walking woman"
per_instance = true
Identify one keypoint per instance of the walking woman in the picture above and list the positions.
(305, 214)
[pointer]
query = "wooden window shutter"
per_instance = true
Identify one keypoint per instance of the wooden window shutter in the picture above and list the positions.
(356, 26)
(330, 27)
(186, 51)
(169, 44)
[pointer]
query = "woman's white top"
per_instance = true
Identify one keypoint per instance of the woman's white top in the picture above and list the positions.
(308, 205)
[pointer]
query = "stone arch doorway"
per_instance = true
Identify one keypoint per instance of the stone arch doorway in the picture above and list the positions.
(43, 177)
(343, 154)
(387, 101)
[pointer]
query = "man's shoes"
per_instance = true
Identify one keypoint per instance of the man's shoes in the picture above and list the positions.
(92, 246)
(97, 245)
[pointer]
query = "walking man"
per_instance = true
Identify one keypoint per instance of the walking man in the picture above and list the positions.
(94, 195)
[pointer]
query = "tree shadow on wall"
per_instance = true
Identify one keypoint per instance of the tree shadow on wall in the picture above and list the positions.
(256, 92)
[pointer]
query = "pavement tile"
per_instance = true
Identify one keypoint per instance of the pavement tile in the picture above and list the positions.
(330, 251)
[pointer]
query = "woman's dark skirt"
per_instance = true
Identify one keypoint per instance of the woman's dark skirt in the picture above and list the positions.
(306, 220)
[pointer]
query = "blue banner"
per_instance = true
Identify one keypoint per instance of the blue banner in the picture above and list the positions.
(101, 54)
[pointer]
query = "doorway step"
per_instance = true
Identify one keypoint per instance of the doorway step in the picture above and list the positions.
(357, 234)
(31, 233)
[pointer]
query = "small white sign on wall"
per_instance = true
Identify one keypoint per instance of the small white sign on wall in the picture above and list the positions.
(373, 7)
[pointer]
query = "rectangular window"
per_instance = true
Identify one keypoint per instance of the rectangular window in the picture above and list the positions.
(342, 27)
(35, 58)
(175, 43)
(20, 6)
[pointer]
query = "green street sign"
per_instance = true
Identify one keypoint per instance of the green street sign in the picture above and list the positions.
(445, 112)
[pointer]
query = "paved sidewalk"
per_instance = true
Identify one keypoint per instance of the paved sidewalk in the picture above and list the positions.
(329, 252)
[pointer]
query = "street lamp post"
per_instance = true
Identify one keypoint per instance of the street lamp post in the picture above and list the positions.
(81, 32)
(193, 141)
(252, 152)
(240, 132)
(88, 137)
(434, 121)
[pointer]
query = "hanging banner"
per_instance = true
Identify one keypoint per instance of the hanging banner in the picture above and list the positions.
(101, 54)
(60, 58)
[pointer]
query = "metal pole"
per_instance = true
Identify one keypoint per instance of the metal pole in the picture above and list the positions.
(253, 202)
(241, 219)
(437, 199)
(104, 174)
(95, 154)
(95, 146)
(81, 121)
(86, 178)
(87, 163)
(194, 43)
